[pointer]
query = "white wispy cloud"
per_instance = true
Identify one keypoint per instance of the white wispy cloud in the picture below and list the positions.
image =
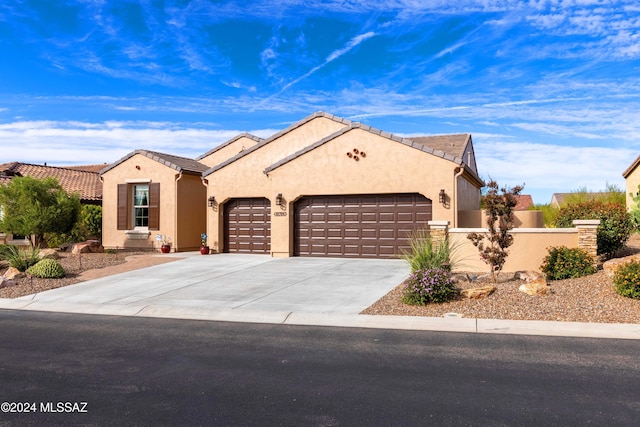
(80, 142)
(355, 41)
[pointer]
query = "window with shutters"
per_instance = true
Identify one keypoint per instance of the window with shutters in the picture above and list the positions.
(139, 206)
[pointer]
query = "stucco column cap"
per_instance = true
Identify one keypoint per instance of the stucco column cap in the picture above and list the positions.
(586, 223)
(438, 224)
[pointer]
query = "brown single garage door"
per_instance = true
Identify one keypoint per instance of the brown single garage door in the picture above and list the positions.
(247, 226)
(358, 225)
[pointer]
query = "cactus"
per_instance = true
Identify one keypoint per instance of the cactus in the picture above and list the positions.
(47, 269)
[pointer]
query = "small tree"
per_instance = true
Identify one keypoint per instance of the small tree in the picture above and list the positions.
(498, 205)
(33, 207)
(634, 210)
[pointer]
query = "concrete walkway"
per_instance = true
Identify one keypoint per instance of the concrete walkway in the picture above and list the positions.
(256, 288)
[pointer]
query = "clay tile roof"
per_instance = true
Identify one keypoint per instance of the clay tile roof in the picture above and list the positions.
(525, 201)
(89, 168)
(180, 164)
(86, 184)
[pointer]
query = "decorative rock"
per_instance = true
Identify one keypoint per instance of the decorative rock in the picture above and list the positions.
(535, 287)
(90, 246)
(461, 277)
(610, 266)
(5, 283)
(528, 276)
(476, 293)
(13, 273)
(49, 253)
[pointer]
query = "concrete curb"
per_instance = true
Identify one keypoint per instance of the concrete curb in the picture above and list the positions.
(416, 323)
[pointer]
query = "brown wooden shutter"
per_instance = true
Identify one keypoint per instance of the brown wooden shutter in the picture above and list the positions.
(123, 207)
(154, 206)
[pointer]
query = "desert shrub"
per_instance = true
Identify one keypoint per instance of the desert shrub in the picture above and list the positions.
(22, 259)
(567, 263)
(47, 269)
(429, 285)
(6, 250)
(425, 253)
(626, 279)
(615, 223)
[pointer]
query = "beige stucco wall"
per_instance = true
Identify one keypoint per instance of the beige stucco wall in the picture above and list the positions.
(388, 167)
(530, 246)
(631, 184)
(152, 171)
(468, 195)
(228, 151)
(523, 219)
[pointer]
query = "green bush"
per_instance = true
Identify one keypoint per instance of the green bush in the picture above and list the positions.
(22, 259)
(426, 254)
(626, 279)
(47, 269)
(549, 214)
(567, 263)
(615, 223)
(429, 285)
(6, 250)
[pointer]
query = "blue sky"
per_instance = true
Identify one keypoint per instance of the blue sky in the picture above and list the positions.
(550, 90)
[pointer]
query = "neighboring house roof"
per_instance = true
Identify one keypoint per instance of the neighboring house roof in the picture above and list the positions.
(558, 198)
(422, 146)
(525, 201)
(86, 184)
(229, 142)
(180, 164)
(276, 136)
(88, 168)
(631, 168)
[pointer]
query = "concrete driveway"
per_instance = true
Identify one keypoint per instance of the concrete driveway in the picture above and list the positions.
(225, 282)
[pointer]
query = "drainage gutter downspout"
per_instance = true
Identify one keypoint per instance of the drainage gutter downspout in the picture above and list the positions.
(455, 195)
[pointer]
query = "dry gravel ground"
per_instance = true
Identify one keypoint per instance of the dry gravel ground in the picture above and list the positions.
(84, 267)
(587, 299)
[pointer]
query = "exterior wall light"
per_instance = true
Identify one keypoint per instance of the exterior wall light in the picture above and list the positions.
(442, 197)
(212, 201)
(279, 199)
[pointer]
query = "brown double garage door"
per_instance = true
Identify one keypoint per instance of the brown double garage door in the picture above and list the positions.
(341, 226)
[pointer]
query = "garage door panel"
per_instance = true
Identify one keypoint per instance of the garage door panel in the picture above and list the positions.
(247, 226)
(358, 225)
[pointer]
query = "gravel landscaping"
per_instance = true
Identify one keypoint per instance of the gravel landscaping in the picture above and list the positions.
(74, 265)
(587, 299)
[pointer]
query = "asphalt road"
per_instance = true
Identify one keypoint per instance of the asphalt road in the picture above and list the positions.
(101, 370)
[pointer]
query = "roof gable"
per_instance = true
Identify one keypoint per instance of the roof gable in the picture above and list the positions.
(180, 164)
(276, 136)
(229, 142)
(406, 141)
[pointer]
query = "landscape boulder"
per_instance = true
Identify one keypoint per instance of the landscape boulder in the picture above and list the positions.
(535, 287)
(90, 246)
(528, 276)
(476, 293)
(5, 283)
(610, 266)
(48, 253)
(13, 273)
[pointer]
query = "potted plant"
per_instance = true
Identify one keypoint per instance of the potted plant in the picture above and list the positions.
(204, 249)
(165, 248)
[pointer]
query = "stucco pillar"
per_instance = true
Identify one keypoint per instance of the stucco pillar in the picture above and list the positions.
(439, 231)
(588, 235)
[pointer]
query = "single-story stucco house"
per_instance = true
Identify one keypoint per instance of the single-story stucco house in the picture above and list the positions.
(324, 186)
(632, 181)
